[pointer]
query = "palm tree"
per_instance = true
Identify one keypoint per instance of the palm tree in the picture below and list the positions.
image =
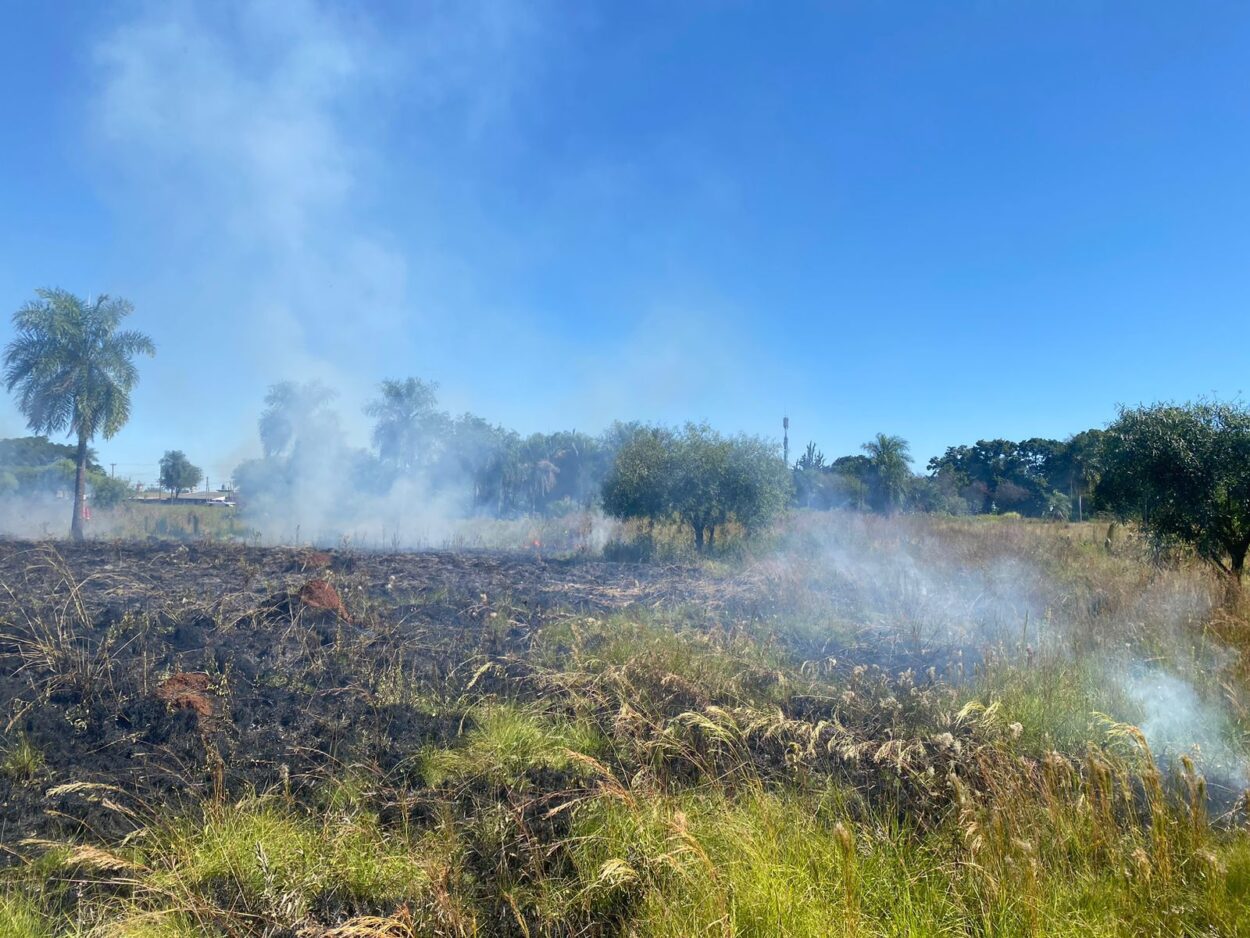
(889, 457)
(73, 371)
(296, 413)
(406, 421)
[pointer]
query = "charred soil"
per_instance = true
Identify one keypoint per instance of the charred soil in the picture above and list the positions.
(166, 671)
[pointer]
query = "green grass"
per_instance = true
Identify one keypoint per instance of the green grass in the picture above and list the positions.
(168, 520)
(507, 743)
(258, 863)
(1056, 703)
(22, 918)
(274, 860)
(678, 659)
(771, 864)
(751, 862)
(21, 761)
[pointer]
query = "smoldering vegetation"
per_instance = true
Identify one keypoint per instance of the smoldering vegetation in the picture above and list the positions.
(883, 725)
(1021, 603)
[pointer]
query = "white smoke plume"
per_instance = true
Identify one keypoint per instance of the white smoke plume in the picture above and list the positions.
(915, 593)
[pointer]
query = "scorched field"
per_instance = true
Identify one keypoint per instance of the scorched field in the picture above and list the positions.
(872, 727)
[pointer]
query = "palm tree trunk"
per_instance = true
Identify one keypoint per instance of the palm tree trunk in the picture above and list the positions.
(80, 491)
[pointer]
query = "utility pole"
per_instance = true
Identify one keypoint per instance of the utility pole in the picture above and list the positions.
(785, 441)
(113, 469)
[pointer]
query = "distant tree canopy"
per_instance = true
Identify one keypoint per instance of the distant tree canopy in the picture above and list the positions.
(1077, 467)
(468, 464)
(177, 473)
(821, 484)
(698, 476)
(1000, 474)
(694, 474)
(35, 452)
(32, 467)
(408, 426)
(1184, 470)
(106, 492)
(989, 476)
(880, 478)
(297, 414)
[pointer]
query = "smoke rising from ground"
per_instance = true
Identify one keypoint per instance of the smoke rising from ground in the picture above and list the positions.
(1178, 722)
(922, 594)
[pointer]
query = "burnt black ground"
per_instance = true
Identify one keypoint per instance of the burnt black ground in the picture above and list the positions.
(89, 632)
(92, 634)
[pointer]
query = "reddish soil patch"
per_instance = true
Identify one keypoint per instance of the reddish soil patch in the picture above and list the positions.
(187, 691)
(318, 594)
(314, 560)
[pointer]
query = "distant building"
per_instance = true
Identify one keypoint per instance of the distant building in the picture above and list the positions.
(221, 499)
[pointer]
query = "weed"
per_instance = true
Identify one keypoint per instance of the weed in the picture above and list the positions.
(22, 761)
(507, 743)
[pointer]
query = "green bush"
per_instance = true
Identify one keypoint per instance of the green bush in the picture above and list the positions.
(107, 492)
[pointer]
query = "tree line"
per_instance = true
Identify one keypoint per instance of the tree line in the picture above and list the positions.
(1182, 470)
(463, 461)
(1041, 478)
(471, 467)
(34, 466)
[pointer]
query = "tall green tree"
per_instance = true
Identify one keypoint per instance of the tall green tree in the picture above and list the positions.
(811, 477)
(1184, 470)
(107, 492)
(178, 475)
(811, 460)
(889, 458)
(639, 484)
(476, 451)
(73, 369)
(852, 481)
(698, 476)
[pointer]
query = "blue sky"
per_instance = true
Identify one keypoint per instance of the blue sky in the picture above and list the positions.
(942, 220)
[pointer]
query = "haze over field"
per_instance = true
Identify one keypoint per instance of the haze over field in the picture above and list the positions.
(979, 221)
(517, 468)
